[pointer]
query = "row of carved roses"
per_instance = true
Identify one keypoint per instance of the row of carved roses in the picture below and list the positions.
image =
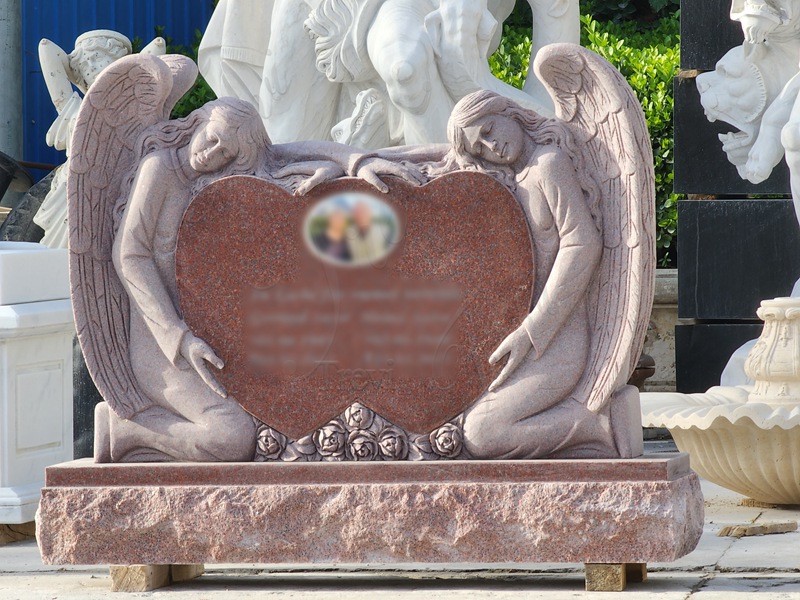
(360, 435)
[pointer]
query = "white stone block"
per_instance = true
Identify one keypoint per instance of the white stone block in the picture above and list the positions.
(32, 273)
(35, 400)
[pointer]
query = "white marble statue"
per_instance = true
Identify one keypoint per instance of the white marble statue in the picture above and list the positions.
(742, 434)
(754, 85)
(370, 73)
(94, 51)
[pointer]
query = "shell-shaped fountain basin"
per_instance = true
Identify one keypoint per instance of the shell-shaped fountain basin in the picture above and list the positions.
(749, 447)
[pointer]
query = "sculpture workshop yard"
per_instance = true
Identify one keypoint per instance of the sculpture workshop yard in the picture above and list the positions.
(490, 250)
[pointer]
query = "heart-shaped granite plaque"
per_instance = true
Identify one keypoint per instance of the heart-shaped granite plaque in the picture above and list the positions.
(311, 310)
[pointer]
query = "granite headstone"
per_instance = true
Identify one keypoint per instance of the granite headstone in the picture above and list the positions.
(297, 308)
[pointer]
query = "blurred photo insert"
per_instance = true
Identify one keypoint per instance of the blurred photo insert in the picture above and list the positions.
(351, 229)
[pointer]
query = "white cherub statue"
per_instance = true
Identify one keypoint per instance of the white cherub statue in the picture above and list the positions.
(94, 51)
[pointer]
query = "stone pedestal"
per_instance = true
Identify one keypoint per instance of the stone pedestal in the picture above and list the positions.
(592, 511)
(36, 334)
(726, 266)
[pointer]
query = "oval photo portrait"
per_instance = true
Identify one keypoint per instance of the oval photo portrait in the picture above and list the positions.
(351, 229)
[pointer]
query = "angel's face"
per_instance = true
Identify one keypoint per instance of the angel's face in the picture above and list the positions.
(495, 138)
(211, 148)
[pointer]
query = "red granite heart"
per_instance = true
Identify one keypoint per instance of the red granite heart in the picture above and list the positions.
(303, 335)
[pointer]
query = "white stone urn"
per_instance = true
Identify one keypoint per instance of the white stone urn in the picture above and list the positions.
(746, 438)
(774, 362)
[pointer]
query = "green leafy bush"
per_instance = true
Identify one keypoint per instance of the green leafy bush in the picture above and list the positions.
(648, 57)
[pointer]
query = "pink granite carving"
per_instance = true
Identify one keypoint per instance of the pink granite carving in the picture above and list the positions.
(585, 181)
(463, 232)
(132, 177)
(438, 519)
(163, 353)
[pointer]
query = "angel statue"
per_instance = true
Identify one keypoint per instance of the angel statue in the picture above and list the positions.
(585, 182)
(132, 175)
(94, 51)
(370, 73)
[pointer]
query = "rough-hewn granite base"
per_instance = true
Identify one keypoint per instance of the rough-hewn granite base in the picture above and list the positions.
(627, 511)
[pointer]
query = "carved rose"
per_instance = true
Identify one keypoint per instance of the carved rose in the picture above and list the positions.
(359, 416)
(447, 441)
(270, 443)
(331, 439)
(362, 445)
(393, 444)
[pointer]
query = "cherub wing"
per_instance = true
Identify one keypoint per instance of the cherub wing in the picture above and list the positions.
(610, 130)
(129, 96)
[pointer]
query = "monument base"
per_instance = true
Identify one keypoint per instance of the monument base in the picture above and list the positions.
(607, 512)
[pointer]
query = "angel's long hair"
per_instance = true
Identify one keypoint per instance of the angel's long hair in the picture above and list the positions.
(541, 131)
(241, 119)
(253, 145)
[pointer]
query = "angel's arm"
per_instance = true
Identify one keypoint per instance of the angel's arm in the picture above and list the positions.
(134, 258)
(579, 252)
(350, 158)
(428, 153)
(352, 161)
(55, 69)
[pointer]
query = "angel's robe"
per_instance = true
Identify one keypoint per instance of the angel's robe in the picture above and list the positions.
(531, 414)
(200, 425)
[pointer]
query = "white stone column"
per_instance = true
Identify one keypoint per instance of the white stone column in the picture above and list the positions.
(11, 78)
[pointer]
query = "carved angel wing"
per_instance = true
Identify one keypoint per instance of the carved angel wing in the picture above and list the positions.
(129, 96)
(600, 108)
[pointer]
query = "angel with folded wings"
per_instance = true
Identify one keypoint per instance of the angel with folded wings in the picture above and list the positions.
(132, 176)
(584, 180)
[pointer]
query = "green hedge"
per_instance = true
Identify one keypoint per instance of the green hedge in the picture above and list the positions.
(626, 10)
(648, 57)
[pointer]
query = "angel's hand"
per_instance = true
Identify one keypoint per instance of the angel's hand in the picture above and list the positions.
(516, 345)
(371, 170)
(197, 352)
(317, 171)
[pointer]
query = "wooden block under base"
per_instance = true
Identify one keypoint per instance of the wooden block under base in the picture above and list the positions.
(17, 533)
(145, 578)
(180, 573)
(636, 572)
(613, 577)
(139, 578)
